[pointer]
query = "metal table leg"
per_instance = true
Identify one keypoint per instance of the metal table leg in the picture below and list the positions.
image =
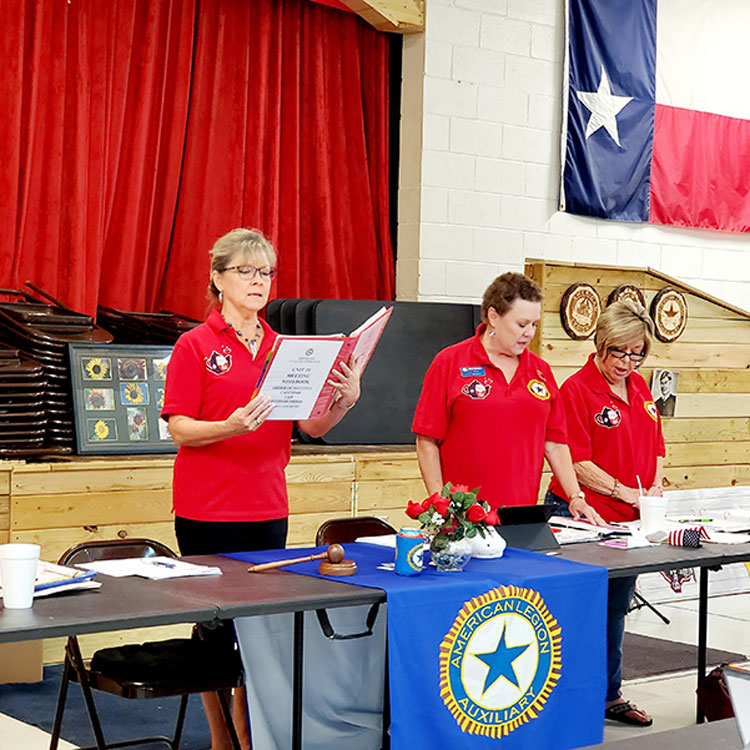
(702, 633)
(299, 637)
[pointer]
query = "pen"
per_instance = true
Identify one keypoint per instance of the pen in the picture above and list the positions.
(161, 563)
(696, 520)
(262, 373)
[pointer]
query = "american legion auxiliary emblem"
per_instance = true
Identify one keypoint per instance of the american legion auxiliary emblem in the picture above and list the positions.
(500, 661)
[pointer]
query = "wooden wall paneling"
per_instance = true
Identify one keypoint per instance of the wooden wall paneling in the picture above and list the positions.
(708, 454)
(303, 526)
(82, 477)
(711, 429)
(694, 477)
(402, 466)
(698, 330)
(320, 497)
(378, 496)
(676, 356)
(710, 381)
(90, 509)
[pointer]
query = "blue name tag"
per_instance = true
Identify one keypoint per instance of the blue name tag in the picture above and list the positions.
(472, 372)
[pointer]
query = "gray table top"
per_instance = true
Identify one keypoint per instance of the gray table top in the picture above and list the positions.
(126, 603)
(718, 735)
(627, 562)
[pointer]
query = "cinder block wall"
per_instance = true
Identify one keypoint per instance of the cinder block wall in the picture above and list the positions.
(480, 164)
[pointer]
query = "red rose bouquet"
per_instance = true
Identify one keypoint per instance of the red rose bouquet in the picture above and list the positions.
(452, 514)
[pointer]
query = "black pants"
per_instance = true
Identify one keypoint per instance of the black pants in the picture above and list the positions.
(216, 537)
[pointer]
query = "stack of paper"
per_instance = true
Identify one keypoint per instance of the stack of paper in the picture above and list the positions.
(156, 568)
(57, 579)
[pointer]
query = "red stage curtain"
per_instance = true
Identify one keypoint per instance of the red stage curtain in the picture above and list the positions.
(137, 132)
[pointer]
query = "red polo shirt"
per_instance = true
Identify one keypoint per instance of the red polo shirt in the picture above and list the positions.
(622, 438)
(210, 374)
(491, 432)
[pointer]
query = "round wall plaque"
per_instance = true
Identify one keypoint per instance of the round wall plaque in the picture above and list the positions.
(579, 310)
(626, 291)
(670, 313)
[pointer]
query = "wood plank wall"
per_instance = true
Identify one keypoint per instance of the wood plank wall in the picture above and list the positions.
(708, 439)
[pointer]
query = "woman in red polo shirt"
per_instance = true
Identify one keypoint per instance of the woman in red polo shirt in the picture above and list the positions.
(489, 412)
(615, 438)
(229, 488)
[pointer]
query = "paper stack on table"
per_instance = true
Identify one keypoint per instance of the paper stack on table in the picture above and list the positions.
(156, 568)
(57, 579)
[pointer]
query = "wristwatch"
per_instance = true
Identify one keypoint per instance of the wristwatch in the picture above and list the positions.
(580, 495)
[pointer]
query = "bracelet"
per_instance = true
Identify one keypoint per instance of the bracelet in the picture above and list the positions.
(616, 489)
(580, 495)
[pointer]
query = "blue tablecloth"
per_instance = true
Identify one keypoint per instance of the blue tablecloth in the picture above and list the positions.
(511, 648)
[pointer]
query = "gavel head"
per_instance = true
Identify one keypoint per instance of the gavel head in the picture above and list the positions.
(335, 553)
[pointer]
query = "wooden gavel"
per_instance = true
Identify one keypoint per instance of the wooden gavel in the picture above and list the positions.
(334, 554)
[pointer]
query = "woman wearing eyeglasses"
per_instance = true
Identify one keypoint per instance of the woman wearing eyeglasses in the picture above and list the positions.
(615, 439)
(229, 488)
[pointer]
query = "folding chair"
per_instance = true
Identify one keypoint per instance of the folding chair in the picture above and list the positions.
(178, 666)
(342, 530)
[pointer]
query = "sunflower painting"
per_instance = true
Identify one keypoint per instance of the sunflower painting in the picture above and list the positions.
(97, 368)
(131, 369)
(132, 394)
(160, 368)
(137, 424)
(99, 399)
(101, 430)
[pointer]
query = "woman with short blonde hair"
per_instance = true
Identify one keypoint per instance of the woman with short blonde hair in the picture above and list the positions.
(616, 442)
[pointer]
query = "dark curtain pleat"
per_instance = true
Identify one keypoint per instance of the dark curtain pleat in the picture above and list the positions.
(135, 133)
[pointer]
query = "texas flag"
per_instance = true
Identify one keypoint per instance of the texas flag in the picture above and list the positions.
(657, 120)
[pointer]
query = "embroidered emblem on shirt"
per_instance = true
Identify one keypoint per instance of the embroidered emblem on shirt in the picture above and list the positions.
(473, 372)
(477, 389)
(219, 364)
(608, 417)
(538, 389)
(653, 412)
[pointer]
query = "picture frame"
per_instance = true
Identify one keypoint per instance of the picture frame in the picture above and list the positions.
(118, 392)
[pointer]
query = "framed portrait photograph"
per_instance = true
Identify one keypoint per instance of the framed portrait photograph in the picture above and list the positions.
(118, 392)
(664, 391)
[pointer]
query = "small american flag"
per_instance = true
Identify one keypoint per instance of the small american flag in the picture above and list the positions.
(690, 537)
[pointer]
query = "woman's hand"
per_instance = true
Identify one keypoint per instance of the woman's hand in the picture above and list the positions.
(250, 417)
(346, 385)
(579, 507)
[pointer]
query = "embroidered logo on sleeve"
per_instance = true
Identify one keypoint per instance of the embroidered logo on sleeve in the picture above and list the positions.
(651, 409)
(608, 417)
(538, 389)
(219, 364)
(477, 389)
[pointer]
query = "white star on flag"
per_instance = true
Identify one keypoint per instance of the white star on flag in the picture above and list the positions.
(604, 108)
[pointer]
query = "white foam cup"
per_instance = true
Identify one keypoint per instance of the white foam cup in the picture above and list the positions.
(653, 513)
(18, 564)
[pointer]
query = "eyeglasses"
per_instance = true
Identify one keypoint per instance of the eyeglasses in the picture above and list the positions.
(635, 357)
(250, 272)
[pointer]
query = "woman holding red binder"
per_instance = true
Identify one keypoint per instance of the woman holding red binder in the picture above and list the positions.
(229, 488)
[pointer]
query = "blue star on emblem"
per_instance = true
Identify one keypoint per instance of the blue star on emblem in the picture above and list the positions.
(500, 662)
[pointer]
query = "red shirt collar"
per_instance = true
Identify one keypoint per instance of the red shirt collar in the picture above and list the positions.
(478, 350)
(218, 324)
(598, 383)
